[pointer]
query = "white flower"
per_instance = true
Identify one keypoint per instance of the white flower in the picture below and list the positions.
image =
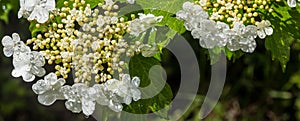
(192, 15)
(83, 98)
(292, 3)
(26, 6)
(73, 96)
(148, 50)
(69, 22)
(264, 29)
(203, 2)
(131, 1)
(88, 11)
(48, 89)
(38, 9)
(10, 44)
(111, 88)
(129, 89)
(28, 64)
(242, 37)
(211, 34)
(215, 16)
(143, 23)
(109, 2)
(229, 6)
(100, 21)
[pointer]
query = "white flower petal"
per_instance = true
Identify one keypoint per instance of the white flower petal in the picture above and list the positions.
(269, 30)
(16, 73)
(38, 71)
(187, 6)
(88, 107)
(51, 78)
(20, 13)
(117, 107)
(37, 59)
(50, 5)
(22, 3)
(136, 94)
(291, 3)
(261, 34)
(127, 100)
(40, 87)
(15, 37)
(136, 81)
(130, 1)
(73, 106)
(27, 77)
(7, 41)
(47, 98)
(8, 51)
(126, 78)
(250, 47)
(42, 15)
(29, 4)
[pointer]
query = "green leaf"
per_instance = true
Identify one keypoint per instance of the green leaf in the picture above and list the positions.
(170, 6)
(140, 66)
(152, 36)
(93, 3)
(168, 20)
(167, 9)
(285, 24)
(279, 47)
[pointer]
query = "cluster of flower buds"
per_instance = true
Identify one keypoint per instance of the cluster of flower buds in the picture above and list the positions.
(88, 42)
(213, 32)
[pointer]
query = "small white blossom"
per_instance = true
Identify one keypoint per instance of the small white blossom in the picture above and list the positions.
(229, 6)
(211, 34)
(131, 1)
(148, 50)
(143, 23)
(292, 3)
(48, 89)
(38, 9)
(26, 6)
(215, 16)
(73, 96)
(88, 11)
(203, 2)
(109, 2)
(264, 28)
(242, 37)
(28, 64)
(100, 21)
(192, 15)
(126, 90)
(9, 44)
(83, 98)
(129, 89)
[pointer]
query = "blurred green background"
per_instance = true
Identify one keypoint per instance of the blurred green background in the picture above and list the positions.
(256, 88)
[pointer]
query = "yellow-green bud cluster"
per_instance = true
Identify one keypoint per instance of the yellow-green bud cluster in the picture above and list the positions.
(81, 25)
(229, 11)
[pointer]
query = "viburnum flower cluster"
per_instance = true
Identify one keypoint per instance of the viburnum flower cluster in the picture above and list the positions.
(213, 32)
(90, 47)
(88, 42)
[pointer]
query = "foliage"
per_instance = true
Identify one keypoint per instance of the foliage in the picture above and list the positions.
(284, 21)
